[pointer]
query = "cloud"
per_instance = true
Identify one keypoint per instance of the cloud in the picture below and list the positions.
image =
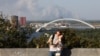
(33, 11)
(55, 12)
(41, 13)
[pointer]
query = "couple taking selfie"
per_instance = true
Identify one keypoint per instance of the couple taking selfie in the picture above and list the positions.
(55, 43)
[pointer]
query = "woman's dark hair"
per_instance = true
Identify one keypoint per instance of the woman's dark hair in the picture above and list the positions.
(59, 31)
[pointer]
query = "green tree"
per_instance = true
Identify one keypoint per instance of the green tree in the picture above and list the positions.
(11, 37)
(40, 42)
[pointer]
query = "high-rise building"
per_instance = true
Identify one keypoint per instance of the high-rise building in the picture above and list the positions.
(22, 21)
(14, 21)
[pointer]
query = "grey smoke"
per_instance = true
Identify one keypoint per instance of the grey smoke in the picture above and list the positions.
(34, 10)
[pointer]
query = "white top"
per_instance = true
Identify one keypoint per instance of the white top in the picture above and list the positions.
(55, 40)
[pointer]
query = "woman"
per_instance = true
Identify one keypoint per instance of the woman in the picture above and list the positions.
(55, 44)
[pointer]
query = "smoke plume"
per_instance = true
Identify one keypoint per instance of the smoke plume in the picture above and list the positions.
(31, 8)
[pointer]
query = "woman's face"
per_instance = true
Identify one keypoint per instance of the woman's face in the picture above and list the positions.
(58, 33)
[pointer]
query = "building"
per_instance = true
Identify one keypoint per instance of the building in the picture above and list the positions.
(23, 21)
(14, 21)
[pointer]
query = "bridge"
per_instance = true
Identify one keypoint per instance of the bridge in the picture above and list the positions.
(64, 19)
(67, 19)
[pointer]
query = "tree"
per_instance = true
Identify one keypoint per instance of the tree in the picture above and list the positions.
(11, 37)
(39, 42)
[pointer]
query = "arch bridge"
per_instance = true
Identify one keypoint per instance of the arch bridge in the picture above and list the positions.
(67, 19)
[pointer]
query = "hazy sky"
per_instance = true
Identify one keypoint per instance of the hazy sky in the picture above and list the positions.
(52, 9)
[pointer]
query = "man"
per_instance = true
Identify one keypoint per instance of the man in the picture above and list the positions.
(55, 44)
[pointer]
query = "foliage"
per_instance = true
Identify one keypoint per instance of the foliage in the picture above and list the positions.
(11, 37)
(40, 42)
(87, 38)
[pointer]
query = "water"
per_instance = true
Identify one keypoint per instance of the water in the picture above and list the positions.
(34, 35)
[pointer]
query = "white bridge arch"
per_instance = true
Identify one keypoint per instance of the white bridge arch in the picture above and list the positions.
(67, 19)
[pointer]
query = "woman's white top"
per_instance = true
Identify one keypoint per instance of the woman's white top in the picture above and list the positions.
(55, 40)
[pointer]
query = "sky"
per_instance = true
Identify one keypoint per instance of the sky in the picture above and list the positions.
(52, 9)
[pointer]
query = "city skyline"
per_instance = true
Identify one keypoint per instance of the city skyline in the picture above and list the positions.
(52, 9)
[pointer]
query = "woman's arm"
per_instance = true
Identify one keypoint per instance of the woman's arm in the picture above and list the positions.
(50, 39)
(59, 39)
